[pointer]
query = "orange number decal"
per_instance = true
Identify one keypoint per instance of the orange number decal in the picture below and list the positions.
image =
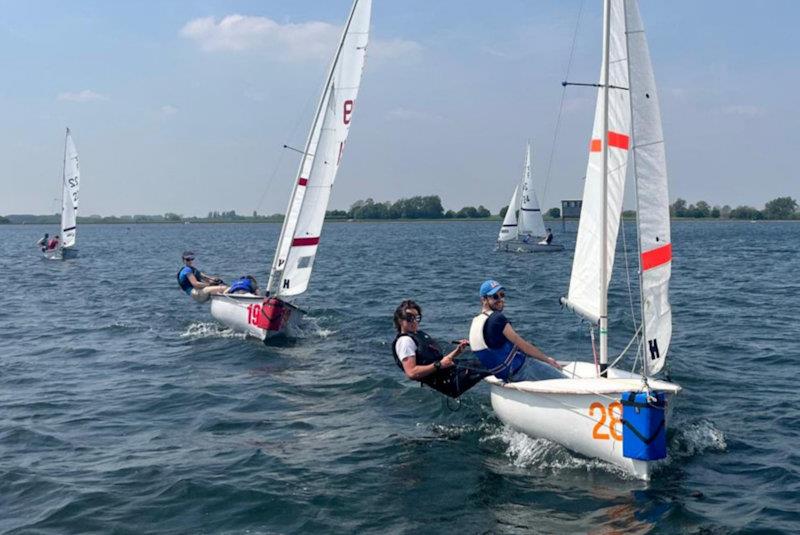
(596, 433)
(614, 413)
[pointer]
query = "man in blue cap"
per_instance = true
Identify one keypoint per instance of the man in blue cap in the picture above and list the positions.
(196, 283)
(502, 352)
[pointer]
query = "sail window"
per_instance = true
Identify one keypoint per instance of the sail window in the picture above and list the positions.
(304, 262)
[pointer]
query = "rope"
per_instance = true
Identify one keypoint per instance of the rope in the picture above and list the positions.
(561, 105)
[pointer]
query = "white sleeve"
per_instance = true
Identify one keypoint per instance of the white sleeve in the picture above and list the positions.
(405, 347)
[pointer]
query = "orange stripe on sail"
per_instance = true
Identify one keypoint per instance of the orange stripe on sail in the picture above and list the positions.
(656, 257)
(595, 146)
(615, 139)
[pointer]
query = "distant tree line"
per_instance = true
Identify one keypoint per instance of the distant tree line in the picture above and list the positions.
(419, 207)
(780, 208)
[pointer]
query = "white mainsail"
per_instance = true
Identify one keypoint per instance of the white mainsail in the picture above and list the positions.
(509, 229)
(531, 222)
(297, 246)
(69, 195)
(586, 289)
(652, 195)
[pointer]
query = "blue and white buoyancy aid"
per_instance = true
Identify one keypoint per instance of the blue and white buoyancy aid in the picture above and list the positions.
(183, 278)
(243, 284)
(501, 361)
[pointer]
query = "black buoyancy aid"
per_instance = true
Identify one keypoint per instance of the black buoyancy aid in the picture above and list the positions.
(184, 283)
(452, 381)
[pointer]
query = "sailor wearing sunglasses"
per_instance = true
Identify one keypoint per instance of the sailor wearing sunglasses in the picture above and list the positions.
(502, 352)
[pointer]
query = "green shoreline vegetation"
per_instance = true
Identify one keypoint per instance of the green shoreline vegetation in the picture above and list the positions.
(428, 208)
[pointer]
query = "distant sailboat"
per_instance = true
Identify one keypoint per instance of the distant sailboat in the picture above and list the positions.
(602, 411)
(264, 317)
(70, 187)
(523, 228)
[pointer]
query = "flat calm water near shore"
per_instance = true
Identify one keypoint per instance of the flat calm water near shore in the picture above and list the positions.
(127, 409)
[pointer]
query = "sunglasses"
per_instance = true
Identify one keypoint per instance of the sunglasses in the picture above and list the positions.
(189, 259)
(498, 296)
(414, 318)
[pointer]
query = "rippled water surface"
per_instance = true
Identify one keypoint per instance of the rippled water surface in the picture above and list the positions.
(126, 409)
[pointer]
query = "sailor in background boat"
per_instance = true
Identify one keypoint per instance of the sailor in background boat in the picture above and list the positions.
(500, 349)
(53, 243)
(548, 239)
(42, 244)
(196, 283)
(421, 358)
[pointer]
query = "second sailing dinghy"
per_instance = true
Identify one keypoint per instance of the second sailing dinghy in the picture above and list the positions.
(70, 186)
(523, 228)
(602, 411)
(264, 317)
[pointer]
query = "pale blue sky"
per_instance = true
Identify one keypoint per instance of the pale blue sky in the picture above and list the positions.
(173, 116)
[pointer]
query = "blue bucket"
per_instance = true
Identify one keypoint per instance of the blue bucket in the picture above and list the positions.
(644, 433)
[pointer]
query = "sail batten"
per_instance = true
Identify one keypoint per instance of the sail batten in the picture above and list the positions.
(294, 257)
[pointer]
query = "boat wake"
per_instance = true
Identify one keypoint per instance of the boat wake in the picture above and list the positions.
(696, 438)
(210, 330)
(528, 452)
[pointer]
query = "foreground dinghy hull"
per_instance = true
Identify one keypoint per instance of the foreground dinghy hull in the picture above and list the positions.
(582, 413)
(244, 313)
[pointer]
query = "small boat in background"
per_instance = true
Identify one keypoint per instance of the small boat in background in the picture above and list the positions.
(69, 204)
(523, 229)
(266, 316)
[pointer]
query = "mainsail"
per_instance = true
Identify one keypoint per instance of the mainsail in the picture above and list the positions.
(69, 195)
(531, 222)
(652, 195)
(509, 229)
(302, 226)
(587, 290)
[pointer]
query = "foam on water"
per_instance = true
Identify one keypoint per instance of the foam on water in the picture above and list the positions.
(694, 439)
(199, 330)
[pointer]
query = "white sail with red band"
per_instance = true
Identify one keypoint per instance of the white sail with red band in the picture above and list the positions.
(585, 286)
(509, 229)
(652, 195)
(531, 222)
(69, 195)
(297, 247)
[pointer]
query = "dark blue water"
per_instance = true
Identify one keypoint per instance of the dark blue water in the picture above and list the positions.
(125, 409)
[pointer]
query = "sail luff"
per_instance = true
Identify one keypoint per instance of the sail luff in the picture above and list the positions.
(308, 161)
(652, 197)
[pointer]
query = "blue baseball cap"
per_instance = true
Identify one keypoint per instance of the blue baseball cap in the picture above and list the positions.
(490, 287)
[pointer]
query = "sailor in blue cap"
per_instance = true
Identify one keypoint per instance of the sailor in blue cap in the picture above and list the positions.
(502, 352)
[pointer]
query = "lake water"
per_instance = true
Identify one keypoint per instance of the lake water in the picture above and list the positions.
(127, 409)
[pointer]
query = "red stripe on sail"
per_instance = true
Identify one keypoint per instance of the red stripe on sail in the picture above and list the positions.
(615, 139)
(595, 146)
(302, 181)
(656, 257)
(300, 242)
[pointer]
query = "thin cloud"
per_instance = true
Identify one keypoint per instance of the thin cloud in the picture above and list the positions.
(239, 33)
(168, 110)
(285, 42)
(87, 95)
(743, 110)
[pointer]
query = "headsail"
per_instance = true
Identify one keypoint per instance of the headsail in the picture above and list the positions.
(652, 195)
(509, 229)
(531, 222)
(586, 287)
(69, 196)
(297, 246)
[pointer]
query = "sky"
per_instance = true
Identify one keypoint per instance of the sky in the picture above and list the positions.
(184, 106)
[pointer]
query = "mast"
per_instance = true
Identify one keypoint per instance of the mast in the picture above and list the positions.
(64, 182)
(276, 270)
(603, 324)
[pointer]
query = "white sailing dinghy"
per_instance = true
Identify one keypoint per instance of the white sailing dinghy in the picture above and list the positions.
(71, 179)
(601, 411)
(264, 317)
(523, 228)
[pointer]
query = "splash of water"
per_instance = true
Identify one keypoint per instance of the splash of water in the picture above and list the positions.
(209, 330)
